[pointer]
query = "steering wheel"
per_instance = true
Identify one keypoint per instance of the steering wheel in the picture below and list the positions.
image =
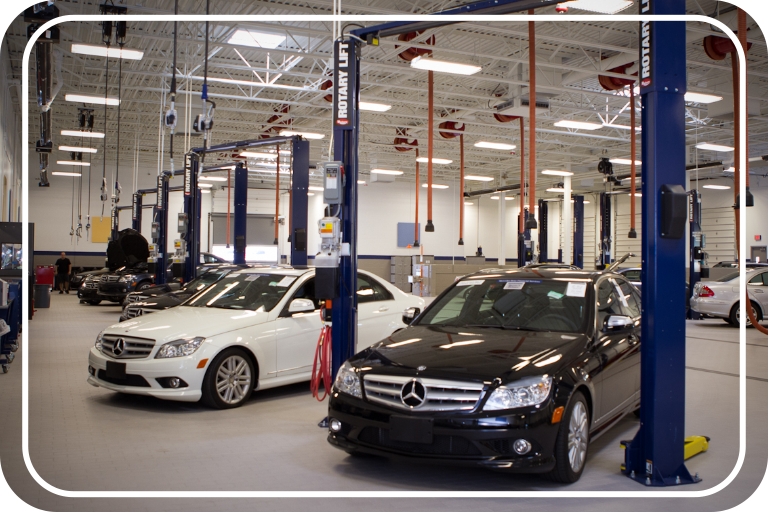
(488, 314)
(554, 318)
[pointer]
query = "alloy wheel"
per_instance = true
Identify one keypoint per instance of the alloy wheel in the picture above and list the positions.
(578, 435)
(233, 378)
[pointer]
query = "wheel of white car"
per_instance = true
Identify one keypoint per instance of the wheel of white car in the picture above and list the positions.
(229, 380)
(734, 316)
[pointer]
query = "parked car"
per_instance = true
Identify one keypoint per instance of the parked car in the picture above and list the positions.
(88, 291)
(735, 264)
(722, 298)
(154, 299)
(255, 328)
(561, 266)
(115, 286)
(78, 279)
(510, 370)
(633, 275)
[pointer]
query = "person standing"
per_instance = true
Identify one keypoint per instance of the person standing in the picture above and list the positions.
(63, 268)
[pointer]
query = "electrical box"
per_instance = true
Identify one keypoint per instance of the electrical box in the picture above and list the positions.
(179, 257)
(328, 258)
(155, 231)
(333, 182)
(182, 224)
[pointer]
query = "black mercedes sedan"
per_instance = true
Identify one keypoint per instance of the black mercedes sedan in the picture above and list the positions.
(506, 369)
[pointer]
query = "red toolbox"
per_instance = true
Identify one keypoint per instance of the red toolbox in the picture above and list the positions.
(44, 274)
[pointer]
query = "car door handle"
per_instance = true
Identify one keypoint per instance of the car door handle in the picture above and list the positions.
(757, 291)
(383, 308)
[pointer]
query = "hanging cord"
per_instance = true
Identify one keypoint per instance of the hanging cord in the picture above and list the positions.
(321, 367)
(206, 119)
(107, 38)
(171, 116)
(118, 188)
(72, 217)
(88, 218)
(79, 229)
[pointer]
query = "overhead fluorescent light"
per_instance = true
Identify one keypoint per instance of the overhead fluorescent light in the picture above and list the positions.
(714, 147)
(495, 145)
(102, 51)
(98, 100)
(599, 6)
(639, 194)
(717, 187)
(585, 202)
(506, 198)
(76, 149)
(316, 189)
(622, 126)
(256, 39)
(699, 97)
(374, 107)
(310, 193)
(556, 189)
(423, 159)
(730, 169)
(386, 171)
(443, 66)
(78, 133)
(204, 191)
(204, 185)
(624, 161)
(213, 178)
(62, 173)
(434, 185)
(467, 203)
(73, 162)
(578, 125)
(361, 182)
(470, 177)
(555, 172)
(306, 135)
(255, 154)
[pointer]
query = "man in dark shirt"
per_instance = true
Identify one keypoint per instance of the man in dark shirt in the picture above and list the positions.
(63, 268)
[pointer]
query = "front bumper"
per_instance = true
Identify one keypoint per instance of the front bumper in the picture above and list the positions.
(87, 293)
(142, 375)
(114, 291)
(464, 438)
(707, 306)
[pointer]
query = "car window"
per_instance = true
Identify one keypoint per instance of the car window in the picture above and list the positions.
(251, 291)
(760, 280)
(729, 277)
(369, 290)
(607, 301)
(632, 275)
(632, 306)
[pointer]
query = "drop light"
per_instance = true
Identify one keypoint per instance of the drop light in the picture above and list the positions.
(624, 161)
(78, 133)
(255, 154)
(256, 39)
(698, 97)
(374, 107)
(713, 147)
(213, 178)
(103, 51)
(434, 185)
(555, 172)
(717, 187)
(306, 135)
(386, 171)
(205, 185)
(74, 162)
(62, 173)
(622, 126)
(76, 149)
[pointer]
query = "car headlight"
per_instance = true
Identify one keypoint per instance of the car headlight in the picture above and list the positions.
(348, 381)
(98, 341)
(126, 279)
(524, 393)
(180, 348)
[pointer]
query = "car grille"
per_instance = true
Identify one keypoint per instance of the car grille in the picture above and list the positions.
(441, 395)
(136, 381)
(135, 348)
(109, 279)
(90, 284)
(136, 298)
(133, 311)
(441, 445)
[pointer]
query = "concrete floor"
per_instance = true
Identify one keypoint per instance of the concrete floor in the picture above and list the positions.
(84, 438)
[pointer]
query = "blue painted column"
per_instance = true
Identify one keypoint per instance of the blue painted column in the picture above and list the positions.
(136, 211)
(241, 212)
(299, 207)
(192, 209)
(161, 217)
(694, 265)
(578, 231)
(655, 456)
(543, 226)
(605, 230)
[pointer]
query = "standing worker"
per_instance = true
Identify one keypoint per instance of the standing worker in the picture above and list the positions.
(63, 268)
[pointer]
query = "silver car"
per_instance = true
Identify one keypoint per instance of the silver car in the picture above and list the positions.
(720, 298)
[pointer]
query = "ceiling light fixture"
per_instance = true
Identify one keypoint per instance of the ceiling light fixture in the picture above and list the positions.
(717, 187)
(374, 107)
(98, 100)
(443, 161)
(698, 97)
(713, 147)
(73, 162)
(78, 133)
(360, 182)
(624, 161)
(255, 39)
(495, 145)
(213, 178)
(434, 185)
(254, 154)
(103, 51)
(730, 169)
(506, 198)
(466, 203)
(205, 185)
(443, 66)
(556, 172)
(637, 194)
(622, 126)
(76, 149)
(62, 173)
(556, 189)
(204, 191)
(599, 6)
(316, 189)
(386, 171)
(306, 135)
(470, 177)
(578, 125)
(310, 193)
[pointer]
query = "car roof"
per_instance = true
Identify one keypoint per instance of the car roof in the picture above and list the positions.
(540, 272)
(281, 270)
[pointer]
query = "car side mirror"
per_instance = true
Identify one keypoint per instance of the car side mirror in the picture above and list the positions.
(617, 323)
(301, 306)
(409, 314)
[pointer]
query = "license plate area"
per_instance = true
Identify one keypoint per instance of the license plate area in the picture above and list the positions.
(116, 370)
(411, 430)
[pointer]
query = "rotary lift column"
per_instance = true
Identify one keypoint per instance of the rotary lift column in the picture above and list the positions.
(241, 212)
(605, 230)
(299, 200)
(578, 231)
(698, 241)
(160, 230)
(136, 211)
(543, 231)
(192, 211)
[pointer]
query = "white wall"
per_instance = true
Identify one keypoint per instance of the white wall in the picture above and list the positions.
(10, 144)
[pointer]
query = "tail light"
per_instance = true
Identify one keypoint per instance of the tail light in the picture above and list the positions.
(706, 291)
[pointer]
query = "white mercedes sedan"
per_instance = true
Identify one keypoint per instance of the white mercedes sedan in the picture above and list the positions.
(721, 298)
(255, 328)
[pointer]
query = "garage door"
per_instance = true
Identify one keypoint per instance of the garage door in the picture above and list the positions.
(719, 226)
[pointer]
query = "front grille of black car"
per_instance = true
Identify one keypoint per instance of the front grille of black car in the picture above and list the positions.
(136, 381)
(441, 395)
(90, 285)
(441, 445)
(109, 279)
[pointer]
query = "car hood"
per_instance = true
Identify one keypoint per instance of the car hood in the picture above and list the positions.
(475, 353)
(183, 321)
(168, 300)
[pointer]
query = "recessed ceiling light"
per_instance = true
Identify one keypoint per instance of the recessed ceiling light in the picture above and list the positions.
(434, 185)
(698, 97)
(714, 147)
(374, 107)
(78, 133)
(386, 171)
(310, 193)
(73, 162)
(578, 125)
(555, 172)
(75, 149)
(306, 135)
(444, 161)
(256, 154)
(443, 66)
(730, 169)
(205, 185)
(624, 161)
(495, 145)
(717, 187)
(467, 203)
(477, 178)
(98, 100)
(205, 191)
(316, 189)
(506, 198)
(255, 39)
(556, 189)
(63, 173)
(600, 6)
(622, 126)
(213, 178)
(103, 51)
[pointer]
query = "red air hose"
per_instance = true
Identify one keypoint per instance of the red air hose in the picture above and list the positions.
(321, 368)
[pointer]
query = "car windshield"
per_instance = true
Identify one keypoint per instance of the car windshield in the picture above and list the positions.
(539, 305)
(729, 277)
(255, 292)
(202, 282)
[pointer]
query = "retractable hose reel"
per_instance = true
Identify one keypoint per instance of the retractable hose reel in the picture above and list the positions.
(171, 116)
(204, 121)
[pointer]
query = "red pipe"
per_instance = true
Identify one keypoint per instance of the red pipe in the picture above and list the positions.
(430, 227)
(742, 24)
(277, 192)
(416, 222)
(521, 218)
(632, 232)
(461, 194)
(532, 113)
(229, 192)
(737, 142)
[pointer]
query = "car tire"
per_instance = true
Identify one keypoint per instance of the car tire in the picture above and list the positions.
(734, 316)
(94, 302)
(727, 320)
(571, 447)
(223, 382)
(143, 286)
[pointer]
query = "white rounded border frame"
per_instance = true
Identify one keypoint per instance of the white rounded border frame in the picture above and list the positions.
(669, 493)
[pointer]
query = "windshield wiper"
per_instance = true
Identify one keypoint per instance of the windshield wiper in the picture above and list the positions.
(518, 328)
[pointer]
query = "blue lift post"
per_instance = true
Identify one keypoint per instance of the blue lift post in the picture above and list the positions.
(655, 456)
(136, 211)
(605, 230)
(192, 200)
(241, 212)
(543, 217)
(578, 231)
(299, 203)
(161, 217)
(694, 262)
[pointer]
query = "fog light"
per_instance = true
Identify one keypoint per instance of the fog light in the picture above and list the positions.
(174, 382)
(522, 446)
(92, 370)
(335, 425)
